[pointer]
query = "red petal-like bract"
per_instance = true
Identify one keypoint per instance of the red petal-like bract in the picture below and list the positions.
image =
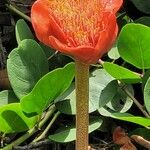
(84, 29)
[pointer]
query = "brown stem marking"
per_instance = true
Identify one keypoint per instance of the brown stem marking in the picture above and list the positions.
(82, 105)
(140, 140)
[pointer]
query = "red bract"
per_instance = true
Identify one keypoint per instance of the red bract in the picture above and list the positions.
(84, 29)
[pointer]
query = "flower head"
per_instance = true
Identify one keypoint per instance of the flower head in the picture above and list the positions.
(84, 29)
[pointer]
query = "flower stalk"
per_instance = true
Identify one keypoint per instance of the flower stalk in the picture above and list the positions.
(82, 105)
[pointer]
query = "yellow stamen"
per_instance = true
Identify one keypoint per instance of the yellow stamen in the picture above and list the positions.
(80, 20)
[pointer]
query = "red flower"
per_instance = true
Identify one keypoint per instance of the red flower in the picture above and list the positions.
(84, 29)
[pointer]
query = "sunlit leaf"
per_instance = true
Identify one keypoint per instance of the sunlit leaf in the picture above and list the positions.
(134, 45)
(47, 89)
(12, 119)
(130, 118)
(121, 73)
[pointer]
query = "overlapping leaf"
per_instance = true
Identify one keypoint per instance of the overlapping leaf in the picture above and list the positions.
(22, 31)
(68, 133)
(99, 79)
(47, 89)
(121, 73)
(143, 6)
(7, 96)
(113, 53)
(13, 120)
(26, 65)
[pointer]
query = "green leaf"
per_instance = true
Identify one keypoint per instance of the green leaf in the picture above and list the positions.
(121, 73)
(47, 89)
(13, 120)
(130, 118)
(22, 31)
(147, 95)
(7, 96)
(99, 79)
(125, 117)
(143, 6)
(108, 93)
(68, 133)
(144, 21)
(134, 45)
(113, 53)
(26, 65)
(145, 78)
(119, 103)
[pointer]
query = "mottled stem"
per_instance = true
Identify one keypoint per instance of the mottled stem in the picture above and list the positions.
(82, 105)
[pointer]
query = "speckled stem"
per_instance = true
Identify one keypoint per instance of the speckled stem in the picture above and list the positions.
(82, 105)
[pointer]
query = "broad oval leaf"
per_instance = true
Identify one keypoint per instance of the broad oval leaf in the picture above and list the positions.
(147, 95)
(7, 96)
(13, 120)
(121, 73)
(68, 133)
(108, 93)
(125, 117)
(47, 89)
(26, 65)
(22, 31)
(134, 45)
(119, 103)
(143, 6)
(99, 79)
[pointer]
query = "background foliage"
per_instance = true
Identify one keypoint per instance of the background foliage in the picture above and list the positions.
(42, 93)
